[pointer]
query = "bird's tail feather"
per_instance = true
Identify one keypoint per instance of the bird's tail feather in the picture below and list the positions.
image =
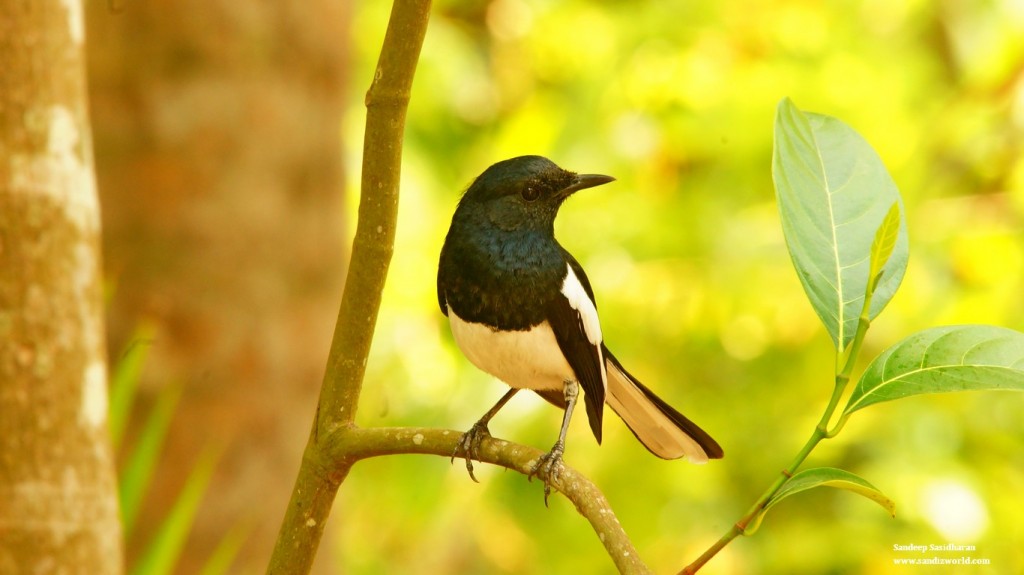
(663, 430)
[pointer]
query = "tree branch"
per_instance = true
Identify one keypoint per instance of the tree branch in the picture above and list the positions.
(335, 442)
(354, 444)
(386, 104)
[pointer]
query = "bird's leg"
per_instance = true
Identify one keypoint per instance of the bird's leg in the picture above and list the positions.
(469, 443)
(549, 464)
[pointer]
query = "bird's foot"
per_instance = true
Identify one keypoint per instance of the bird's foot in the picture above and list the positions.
(548, 467)
(469, 444)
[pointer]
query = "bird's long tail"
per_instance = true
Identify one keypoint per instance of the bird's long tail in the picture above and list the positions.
(663, 430)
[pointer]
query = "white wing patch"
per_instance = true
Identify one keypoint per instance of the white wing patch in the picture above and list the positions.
(573, 291)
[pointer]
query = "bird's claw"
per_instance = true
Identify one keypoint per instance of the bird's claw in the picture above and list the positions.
(469, 444)
(548, 468)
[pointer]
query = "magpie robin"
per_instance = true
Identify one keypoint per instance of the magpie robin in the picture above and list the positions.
(522, 309)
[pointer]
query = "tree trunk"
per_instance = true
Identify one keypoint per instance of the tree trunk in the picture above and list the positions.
(58, 501)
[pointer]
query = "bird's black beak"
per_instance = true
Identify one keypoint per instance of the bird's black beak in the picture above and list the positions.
(584, 181)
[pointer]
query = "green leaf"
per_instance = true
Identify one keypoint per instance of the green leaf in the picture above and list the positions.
(884, 244)
(125, 379)
(140, 465)
(823, 477)
(941, 359)
(834, 195)
(227, 550)
(162, 553)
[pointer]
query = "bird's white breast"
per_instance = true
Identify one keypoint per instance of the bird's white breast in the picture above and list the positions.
(529, 359)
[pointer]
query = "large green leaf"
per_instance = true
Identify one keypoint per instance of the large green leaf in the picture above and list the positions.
(823, 477)
(834, 196)
(940, 359)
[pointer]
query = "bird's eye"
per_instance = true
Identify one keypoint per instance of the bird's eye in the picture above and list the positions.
(530, 193)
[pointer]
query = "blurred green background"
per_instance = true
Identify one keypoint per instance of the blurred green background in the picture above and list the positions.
(677, 99)
(226, 130)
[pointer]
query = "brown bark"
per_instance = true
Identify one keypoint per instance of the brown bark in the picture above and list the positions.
(58, 502)
(218, 151)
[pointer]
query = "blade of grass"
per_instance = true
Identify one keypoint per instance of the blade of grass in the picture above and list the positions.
(140, 465)
(162, 553)
(125, 380)
(227, 550)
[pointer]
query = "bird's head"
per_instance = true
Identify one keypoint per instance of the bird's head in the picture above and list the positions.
(525, 192)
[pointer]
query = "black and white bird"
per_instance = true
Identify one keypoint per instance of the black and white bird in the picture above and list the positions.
(522, 309)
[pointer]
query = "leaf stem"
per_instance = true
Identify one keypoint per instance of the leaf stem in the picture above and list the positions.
(740, 526)
(851, 359)
(712, 551)
(821, 431)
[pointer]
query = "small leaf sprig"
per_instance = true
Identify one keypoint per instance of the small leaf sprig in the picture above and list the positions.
(842, 217)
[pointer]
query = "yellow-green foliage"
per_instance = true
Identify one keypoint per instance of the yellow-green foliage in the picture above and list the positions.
(677, 100)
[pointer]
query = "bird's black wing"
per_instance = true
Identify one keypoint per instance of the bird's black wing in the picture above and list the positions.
(578, 333)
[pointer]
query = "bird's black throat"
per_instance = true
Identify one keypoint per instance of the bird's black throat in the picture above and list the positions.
(500, 278)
